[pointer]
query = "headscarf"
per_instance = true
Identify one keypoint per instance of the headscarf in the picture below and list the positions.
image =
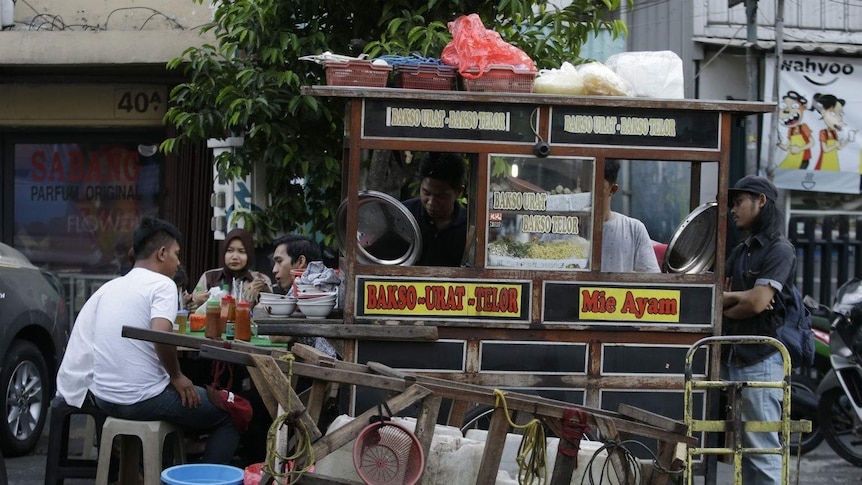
(248, 244)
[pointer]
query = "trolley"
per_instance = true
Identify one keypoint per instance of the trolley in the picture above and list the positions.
(734, 424)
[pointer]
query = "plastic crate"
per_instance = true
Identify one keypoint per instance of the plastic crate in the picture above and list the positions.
(504, 79)
(433, 78)
(356, 73)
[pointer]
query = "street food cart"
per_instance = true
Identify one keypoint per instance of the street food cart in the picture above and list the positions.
(530, 310)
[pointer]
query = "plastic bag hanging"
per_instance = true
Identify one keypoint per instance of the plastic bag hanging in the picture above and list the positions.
(473, 46)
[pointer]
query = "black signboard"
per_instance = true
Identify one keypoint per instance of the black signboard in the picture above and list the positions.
(534, 358)
(427, 120)
(634, 127)
(602, 303)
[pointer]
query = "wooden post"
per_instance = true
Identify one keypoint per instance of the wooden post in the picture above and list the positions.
(426, 421)
(493, 453)
(609, 432)
(280, 387)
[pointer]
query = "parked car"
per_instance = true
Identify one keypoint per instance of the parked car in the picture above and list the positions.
(34, 329)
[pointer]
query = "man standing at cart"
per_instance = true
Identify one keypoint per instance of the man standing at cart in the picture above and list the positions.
(626, 245)
(758, 271)
(441, 217)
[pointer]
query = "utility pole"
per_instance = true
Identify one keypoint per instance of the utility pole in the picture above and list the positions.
(751, 69)
(779, 55)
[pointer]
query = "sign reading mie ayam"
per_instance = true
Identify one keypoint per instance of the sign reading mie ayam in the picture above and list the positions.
(819, 147)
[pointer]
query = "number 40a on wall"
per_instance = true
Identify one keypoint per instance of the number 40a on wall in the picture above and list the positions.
(140, 102)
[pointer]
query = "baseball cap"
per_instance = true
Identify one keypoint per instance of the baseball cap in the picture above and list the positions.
(755, 184)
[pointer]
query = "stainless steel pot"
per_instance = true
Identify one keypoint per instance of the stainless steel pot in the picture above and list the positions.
(386, 232)
(692, 248)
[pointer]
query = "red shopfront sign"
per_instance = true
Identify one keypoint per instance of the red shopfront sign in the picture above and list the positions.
(77, 204)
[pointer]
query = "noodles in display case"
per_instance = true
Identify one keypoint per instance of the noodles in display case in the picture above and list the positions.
(540, 213)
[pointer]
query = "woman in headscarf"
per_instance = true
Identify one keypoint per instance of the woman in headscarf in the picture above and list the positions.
(238, 250)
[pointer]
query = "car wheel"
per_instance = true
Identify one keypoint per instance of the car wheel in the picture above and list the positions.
(25, 395)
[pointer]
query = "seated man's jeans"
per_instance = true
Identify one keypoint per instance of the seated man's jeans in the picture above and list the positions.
(168, 406)
(760, 404)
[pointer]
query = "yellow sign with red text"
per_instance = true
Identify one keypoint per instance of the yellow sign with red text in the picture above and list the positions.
(460, 299)
(625, 304)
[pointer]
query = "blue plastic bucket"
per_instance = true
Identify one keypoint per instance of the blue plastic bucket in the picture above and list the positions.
(199, 473)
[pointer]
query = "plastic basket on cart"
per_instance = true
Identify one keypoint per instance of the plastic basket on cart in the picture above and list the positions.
(500, 78)
(426, 76)
(387, 453)
(356, 73)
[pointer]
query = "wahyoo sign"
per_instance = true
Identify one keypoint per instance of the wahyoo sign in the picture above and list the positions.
(816, 70)
(819, 144)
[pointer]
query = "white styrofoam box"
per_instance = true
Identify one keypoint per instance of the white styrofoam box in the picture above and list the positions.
(588, 449)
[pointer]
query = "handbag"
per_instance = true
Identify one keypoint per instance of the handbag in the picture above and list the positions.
(238, 407)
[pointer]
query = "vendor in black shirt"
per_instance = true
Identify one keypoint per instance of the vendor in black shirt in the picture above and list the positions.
(442, 219)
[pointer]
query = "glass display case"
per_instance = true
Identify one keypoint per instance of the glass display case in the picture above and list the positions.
(540, 212)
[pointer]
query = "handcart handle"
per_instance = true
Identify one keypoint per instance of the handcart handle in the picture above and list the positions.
(735, 339)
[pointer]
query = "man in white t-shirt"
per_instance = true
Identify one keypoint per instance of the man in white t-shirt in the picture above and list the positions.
(134, 379)
(626, 245)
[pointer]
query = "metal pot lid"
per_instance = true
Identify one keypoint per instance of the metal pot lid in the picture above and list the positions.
(692, 247)
(386, 232)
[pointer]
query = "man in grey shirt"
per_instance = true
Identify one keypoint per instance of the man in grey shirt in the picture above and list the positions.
(626, 245)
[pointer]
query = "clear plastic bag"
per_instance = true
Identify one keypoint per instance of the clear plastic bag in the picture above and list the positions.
(473, 46)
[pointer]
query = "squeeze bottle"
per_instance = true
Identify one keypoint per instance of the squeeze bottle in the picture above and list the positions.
(243, 321)
(228, 309)
(213, 324)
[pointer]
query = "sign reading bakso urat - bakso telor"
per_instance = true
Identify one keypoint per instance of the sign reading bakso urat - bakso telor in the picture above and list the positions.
(634, 127)
(430, 120)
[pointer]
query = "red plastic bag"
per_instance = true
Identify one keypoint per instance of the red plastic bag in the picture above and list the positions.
(252, 474)
(475, 47)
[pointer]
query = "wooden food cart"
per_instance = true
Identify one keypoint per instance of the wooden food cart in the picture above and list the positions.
(555, 327)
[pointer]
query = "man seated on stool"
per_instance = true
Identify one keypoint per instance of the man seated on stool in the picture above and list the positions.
(134, 379)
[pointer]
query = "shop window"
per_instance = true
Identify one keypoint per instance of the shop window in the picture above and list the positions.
(77, 204)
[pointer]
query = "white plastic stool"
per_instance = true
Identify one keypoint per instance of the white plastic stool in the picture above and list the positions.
(135, 434)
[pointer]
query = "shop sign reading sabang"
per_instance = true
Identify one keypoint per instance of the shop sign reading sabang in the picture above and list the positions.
(629, 304)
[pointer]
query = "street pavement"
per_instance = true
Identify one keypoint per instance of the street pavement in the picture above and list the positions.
(820, 467)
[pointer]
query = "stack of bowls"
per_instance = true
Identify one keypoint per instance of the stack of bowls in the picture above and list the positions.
(278, 305)
(316, 305)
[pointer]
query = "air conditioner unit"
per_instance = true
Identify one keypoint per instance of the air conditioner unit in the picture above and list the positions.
(7, 13)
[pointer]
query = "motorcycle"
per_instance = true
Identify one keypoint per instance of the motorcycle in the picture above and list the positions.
(806, 379)
(839, 412)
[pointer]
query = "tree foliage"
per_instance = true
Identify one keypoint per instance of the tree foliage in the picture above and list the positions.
(249, 82)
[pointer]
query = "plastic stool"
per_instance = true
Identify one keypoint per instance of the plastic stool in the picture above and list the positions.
(59, 465)
(148, 434)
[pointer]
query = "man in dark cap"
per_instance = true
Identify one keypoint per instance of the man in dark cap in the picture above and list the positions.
(759, 271)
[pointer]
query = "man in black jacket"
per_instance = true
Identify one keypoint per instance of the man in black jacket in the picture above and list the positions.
(759, 271)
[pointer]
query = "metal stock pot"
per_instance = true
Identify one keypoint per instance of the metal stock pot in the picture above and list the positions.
(386, 232)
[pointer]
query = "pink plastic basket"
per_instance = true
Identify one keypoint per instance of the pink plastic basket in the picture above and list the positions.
(387, 453)
(356, 73)
(500, 78)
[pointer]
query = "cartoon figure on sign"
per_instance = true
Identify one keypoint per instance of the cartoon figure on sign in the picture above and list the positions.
(831, 109)
(799, 141)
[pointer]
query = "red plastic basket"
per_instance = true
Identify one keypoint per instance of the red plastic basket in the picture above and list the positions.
(387, 453)
(356, 73)
(505, 79)
(430, 78)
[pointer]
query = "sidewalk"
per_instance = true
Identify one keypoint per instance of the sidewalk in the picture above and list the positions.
(822, 466)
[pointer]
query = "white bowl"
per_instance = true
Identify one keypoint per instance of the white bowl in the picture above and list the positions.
(274, 297)
(317, 298)
(280, 309)
(311, 310)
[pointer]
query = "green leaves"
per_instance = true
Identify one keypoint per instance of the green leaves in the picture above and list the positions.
(249, 82)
